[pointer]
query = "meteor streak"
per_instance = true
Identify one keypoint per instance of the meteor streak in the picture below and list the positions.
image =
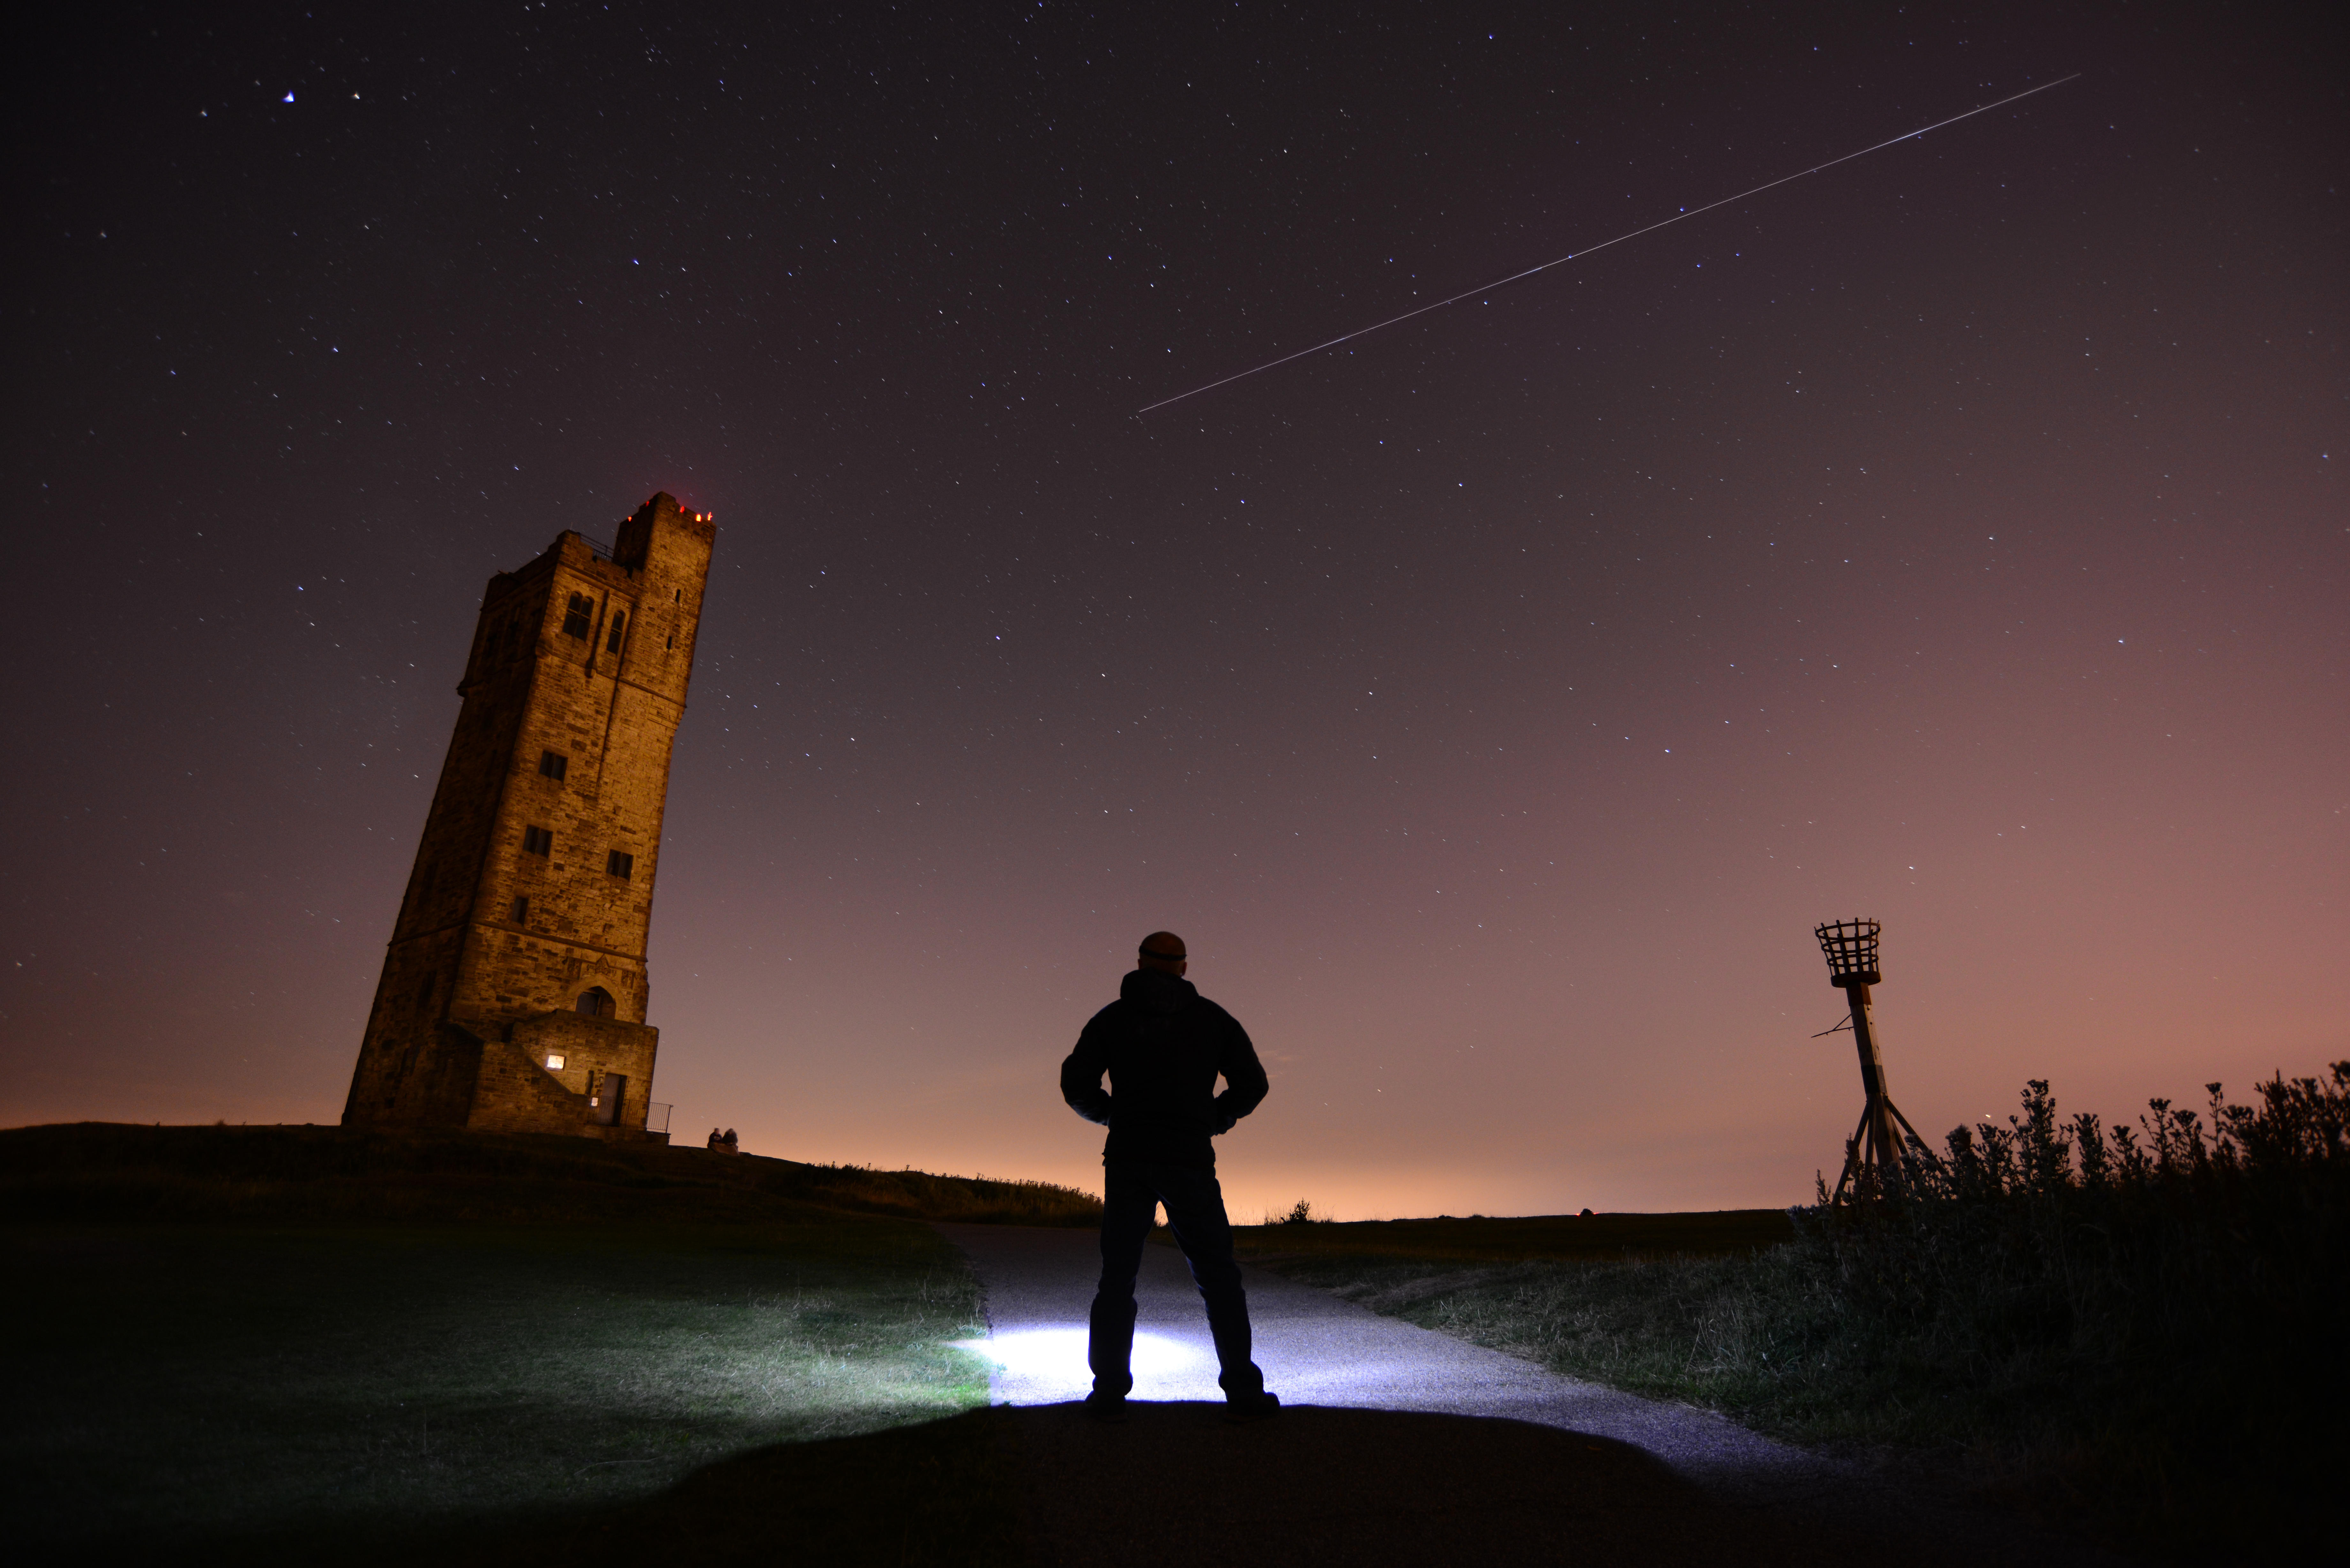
(1619, 239)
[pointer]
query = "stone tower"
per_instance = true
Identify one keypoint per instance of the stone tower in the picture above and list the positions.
(513, 997)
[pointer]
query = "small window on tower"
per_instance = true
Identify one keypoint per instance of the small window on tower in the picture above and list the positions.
(554, 764)
(521, 911)
(554, 1061)
(677, 595)
(619, 864)
(596, 1003)
(537, 841)
(620, 625)
(576, 618)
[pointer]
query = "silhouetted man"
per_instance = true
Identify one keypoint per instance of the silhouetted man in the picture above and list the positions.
(1163, 1045)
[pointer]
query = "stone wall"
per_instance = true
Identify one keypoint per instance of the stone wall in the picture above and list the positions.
(593, 1050)
(516, 1095)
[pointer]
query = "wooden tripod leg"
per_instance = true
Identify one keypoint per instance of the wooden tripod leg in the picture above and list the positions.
(1884, 1147)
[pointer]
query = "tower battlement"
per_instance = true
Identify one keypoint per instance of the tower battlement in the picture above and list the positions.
(514, 991)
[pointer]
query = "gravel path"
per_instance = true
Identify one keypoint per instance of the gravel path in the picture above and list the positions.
(1647, 1482)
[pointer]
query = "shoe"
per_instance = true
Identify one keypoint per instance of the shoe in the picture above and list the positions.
(1107, 1408)
(1262, 1407)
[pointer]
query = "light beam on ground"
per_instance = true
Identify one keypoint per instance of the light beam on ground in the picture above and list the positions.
(1056, 1356)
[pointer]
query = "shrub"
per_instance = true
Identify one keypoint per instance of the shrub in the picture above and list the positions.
(2145, 1316)
(2160, 1239)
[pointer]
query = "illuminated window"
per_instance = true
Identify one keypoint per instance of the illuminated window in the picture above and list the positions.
(554, 764)
(554, 1061)
(620, 625)
(537, 841)
(575, 619)
(521, 910)
(619, 864)
(596, 1002)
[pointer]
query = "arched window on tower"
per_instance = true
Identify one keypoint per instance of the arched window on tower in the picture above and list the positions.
(578, 617)
(620, 625)
(596, 1002)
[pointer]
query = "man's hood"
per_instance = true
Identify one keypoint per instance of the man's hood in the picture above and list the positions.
(1158, 992)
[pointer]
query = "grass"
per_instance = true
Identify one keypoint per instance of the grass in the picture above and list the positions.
(237, 1337)
(111, 1172)
(2136, 1328)
(1698, 1329)
(1294, 1246)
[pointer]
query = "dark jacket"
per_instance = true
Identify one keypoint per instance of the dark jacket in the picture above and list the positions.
(1162, 1045)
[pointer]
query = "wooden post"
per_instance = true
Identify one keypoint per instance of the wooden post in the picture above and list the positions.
(1884, 1148)
(1876, 1142)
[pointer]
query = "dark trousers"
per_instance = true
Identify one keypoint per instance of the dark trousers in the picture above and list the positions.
(1195, 1212)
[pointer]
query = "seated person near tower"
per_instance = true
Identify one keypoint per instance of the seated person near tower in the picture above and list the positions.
(1163, 1045)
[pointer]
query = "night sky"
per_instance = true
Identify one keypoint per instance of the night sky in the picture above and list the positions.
(1494, 704)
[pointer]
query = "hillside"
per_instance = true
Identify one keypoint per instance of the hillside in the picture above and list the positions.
(101, 1171)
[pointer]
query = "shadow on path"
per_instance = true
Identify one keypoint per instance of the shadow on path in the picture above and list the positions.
(1176, 1486)
(1046, 1487)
